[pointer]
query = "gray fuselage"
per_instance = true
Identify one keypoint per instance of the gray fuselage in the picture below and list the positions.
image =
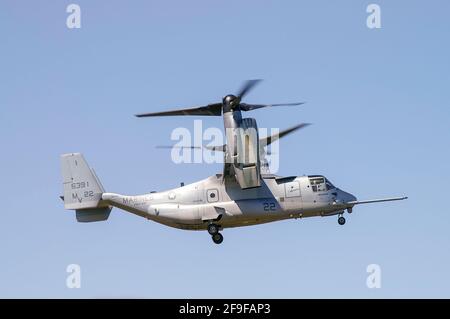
(224, 202)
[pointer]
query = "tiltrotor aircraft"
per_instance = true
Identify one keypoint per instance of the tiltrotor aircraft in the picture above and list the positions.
(243, 194)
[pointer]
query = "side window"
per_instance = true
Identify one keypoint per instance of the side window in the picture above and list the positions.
(321, 187)
(329, 185)
(212, 195)
(318, 184)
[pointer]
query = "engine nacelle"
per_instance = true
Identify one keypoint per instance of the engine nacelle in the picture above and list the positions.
(246, 154)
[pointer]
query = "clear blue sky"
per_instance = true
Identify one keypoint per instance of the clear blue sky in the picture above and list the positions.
(379, 101)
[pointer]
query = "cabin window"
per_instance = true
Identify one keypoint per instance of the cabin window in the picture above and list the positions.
(329, 185)
(212, 195)
(318, 184)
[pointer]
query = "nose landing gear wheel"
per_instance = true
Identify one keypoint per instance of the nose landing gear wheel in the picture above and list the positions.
(217, 238)
(341, 220)
(213, 229)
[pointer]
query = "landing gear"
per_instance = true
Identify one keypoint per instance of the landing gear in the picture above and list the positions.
(341, 220)
(213, 229)
(217, 238)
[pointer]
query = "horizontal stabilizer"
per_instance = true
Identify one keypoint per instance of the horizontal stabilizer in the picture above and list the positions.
(93, 215)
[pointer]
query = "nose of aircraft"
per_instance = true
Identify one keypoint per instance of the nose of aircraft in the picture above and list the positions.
(345, 197)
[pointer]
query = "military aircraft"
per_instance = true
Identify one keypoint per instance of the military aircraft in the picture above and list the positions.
(243, 194)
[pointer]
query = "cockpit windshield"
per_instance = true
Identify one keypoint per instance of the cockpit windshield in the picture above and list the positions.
(320, 184)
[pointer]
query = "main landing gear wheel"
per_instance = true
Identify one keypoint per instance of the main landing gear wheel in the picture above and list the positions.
(341, 220)
(217, 238)
(213, 229)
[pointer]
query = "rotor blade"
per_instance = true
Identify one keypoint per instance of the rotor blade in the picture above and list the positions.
(357, 202)
(218, 148)
(176, 146)
(209, 110)
(250, 107)
(270, 139)
(247, 86)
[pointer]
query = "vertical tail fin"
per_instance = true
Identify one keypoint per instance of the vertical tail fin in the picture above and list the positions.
(82, 189)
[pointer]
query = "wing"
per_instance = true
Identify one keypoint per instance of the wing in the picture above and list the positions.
(230, 171)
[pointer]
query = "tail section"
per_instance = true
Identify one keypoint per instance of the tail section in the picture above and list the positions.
(82, 189)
